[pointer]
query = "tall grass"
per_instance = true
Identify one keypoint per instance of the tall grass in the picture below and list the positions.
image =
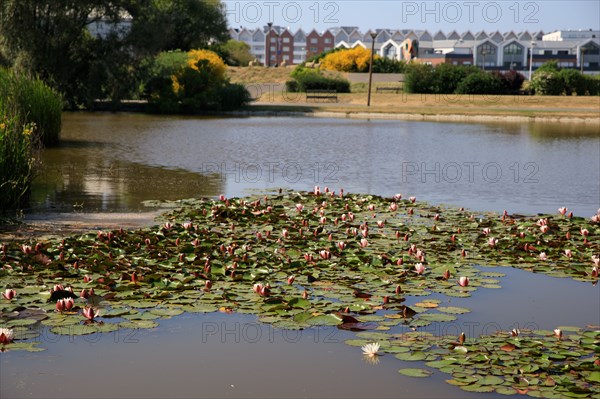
(30, 113)
(19, 156)
(32, 101)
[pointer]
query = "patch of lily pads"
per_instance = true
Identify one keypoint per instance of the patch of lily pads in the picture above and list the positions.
(298, 260)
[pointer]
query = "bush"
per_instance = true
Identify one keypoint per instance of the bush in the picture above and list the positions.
(592, 85)
(386, 65)
(192, 82)
(547, 83)
(32, 101)
(480, 83)
(418, 78)
(356, 59)
(312, 79)
(574, 82)
(511, 81)
(446, 77)
(232, 96)
(291, 86)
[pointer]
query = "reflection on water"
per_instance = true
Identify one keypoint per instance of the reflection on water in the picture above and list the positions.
(220, 355)
(115, 161)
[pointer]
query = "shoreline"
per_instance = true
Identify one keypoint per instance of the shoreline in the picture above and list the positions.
(418, 116)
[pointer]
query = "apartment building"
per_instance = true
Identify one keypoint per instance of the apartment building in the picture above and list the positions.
(493, 50)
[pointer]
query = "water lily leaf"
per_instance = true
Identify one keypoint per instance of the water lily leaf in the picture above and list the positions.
(415, 372)
(138, 324)
(411, 356)
(437, 317)
(166, 311)
(324, 320)
(453, 310)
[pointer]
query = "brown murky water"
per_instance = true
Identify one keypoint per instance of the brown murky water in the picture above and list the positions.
(111, 163)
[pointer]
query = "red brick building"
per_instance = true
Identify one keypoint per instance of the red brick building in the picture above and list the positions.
(316, 43)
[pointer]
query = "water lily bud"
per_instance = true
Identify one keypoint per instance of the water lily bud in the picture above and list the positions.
(9, 293)
(558, 333)
(290, 280)
(463, 281)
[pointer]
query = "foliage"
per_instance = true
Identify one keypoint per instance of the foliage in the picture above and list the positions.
(237, 53)
(191, 82)
(419, 78)
(163, 25)
(31, 101)
(548, 66)
(547, 83)
(348, 60)
(312, 79)
(318, 57)
(574, 82)
(387, 65)
(28, 111)
(50, 39)
(480, 83)
(447, 77)
(512, 81)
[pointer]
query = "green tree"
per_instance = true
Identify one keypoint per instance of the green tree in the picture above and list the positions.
(163, 25)
(50, 39)
(238, 53)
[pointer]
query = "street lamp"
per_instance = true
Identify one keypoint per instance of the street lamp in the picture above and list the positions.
(581, 61)
(531, 59)
(373, 36)
(268, 44)
(484, 52)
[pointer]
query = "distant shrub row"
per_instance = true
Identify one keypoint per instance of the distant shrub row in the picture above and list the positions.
(311, 79)
(458, 79)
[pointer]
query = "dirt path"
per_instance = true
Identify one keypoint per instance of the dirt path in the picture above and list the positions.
(63, 224)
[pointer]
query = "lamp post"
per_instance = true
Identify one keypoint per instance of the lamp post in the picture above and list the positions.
(581, 61)
(484, 52)
(373, 36)
(531, 59)
(268, 46)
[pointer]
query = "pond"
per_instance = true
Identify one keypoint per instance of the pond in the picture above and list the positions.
(114, 162)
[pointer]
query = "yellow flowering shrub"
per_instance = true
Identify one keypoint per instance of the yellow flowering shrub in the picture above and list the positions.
(351, 60)
(213, 66)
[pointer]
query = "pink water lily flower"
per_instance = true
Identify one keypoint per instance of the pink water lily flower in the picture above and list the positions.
(341, 245)
(90, 314)
(9, 293)
(544, 228)
(299, 207)
(596, 260)
(543, 256)
(393, 207)
(568, 253)
(486, 231)
(290, 280)
(492, 242)
(364, 243)
(562, 210)
(412, 199)
(584, 232)
(463, 281)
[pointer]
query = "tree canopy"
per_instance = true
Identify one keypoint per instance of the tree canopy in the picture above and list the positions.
(51, 39)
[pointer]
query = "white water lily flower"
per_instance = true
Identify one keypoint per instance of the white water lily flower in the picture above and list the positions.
(371, 349)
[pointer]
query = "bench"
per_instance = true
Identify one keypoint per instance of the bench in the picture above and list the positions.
(321, 95)
(388, 89)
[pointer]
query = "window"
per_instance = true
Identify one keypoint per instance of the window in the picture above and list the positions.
(513, 49)
(314, 49)
(487, 49)
(327, 49)
(273, 49)
(547, 52)
(314, 40)
(562, 52)
(286, 49)
(273, 40)
(286, 39)
(327, 40)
